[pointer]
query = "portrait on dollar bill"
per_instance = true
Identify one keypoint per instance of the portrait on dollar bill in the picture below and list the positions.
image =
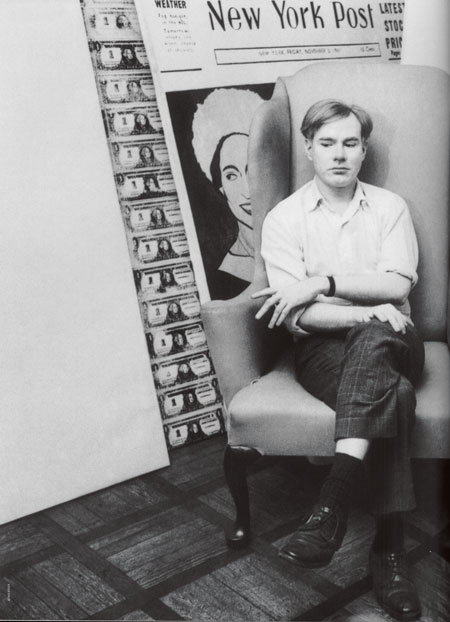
(163, 311)
(145, 215)
(146, 185)
(140, 153)
(134, 121)
(167, 279)
(160, 247)
(113, 55)
(112, 22)
(121, 88)
(181, 370)
(192, 429)
(174, 340)
(180, 401)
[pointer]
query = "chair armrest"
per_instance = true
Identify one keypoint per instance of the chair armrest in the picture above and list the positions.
(242, 348)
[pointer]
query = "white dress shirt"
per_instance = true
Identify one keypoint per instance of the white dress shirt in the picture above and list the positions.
(303, 236)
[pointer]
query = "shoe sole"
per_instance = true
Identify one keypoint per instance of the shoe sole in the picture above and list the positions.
(302, 563)
(406, 617)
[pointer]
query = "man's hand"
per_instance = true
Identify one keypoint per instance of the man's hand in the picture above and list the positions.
(290, 297)
(387, 313)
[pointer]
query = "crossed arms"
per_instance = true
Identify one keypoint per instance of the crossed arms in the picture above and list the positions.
(371, 295)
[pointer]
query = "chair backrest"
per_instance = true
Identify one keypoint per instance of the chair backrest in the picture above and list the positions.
(408, 154)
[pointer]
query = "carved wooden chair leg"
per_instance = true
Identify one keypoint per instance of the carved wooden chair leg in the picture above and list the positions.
(236, 461)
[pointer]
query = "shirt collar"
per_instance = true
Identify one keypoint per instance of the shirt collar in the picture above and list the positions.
(359, 198)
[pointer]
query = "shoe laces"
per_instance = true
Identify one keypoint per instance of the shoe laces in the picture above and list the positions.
(319, 514)
(397, 564)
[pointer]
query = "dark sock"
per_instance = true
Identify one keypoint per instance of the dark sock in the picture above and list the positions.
(389, 533)
(338, 485)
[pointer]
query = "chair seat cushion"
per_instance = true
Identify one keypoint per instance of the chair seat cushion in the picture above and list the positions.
(277, 416)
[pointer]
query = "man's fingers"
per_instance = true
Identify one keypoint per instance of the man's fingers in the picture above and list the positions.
(380, 315)
(283, 314)
(395, 319)
(276, 314)
(270, 302)
(268, 291)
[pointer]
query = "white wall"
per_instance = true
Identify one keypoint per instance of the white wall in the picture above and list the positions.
(78, 409)
(426, 36)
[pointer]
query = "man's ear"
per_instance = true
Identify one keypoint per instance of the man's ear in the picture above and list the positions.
(308, 148)
(365, 146)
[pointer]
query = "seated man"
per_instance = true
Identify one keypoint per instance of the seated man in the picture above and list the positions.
(341, 258)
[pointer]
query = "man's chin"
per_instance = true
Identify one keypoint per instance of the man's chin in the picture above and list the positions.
(340, 181)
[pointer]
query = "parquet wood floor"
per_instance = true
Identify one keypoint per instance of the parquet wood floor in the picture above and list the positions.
(152, 548)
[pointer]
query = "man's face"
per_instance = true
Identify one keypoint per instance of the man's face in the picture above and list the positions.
(337, 152)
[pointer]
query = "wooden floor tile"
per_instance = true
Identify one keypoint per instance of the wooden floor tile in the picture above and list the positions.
(209, 600)
(429, 520)
(432, 576)
(266, 584)
(84, 588)
(139, 494)
(20, 539)
(107, 505)
(75, 517)
(24, 604)
(368, 616)
(47, 592)
(168, 543)
(136, 616)
(204, 543)
(134, 534)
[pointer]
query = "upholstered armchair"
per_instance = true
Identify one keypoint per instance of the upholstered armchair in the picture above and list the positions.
(268, 412)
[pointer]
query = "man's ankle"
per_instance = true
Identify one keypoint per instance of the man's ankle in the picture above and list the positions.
(389, 536)
(339, 484)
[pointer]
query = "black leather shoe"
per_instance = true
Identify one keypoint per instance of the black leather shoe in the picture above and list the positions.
(393, 587)
(317, 539)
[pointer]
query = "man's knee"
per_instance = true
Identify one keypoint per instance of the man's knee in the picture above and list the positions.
(372, 329)
(371, 337)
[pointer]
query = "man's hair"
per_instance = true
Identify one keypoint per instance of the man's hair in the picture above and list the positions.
(327, 110)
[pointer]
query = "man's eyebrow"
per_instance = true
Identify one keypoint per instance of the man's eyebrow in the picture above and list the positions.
(230, 166)
(331, 138)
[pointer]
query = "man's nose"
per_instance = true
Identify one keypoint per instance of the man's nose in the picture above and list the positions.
(339, 152)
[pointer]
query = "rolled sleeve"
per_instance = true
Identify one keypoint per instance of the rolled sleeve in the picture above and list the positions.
(399, 249)
(282, 251)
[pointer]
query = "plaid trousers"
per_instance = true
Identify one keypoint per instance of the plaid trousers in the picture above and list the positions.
(367, 375)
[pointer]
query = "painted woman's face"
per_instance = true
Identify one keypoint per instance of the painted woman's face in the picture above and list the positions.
(233, 171)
